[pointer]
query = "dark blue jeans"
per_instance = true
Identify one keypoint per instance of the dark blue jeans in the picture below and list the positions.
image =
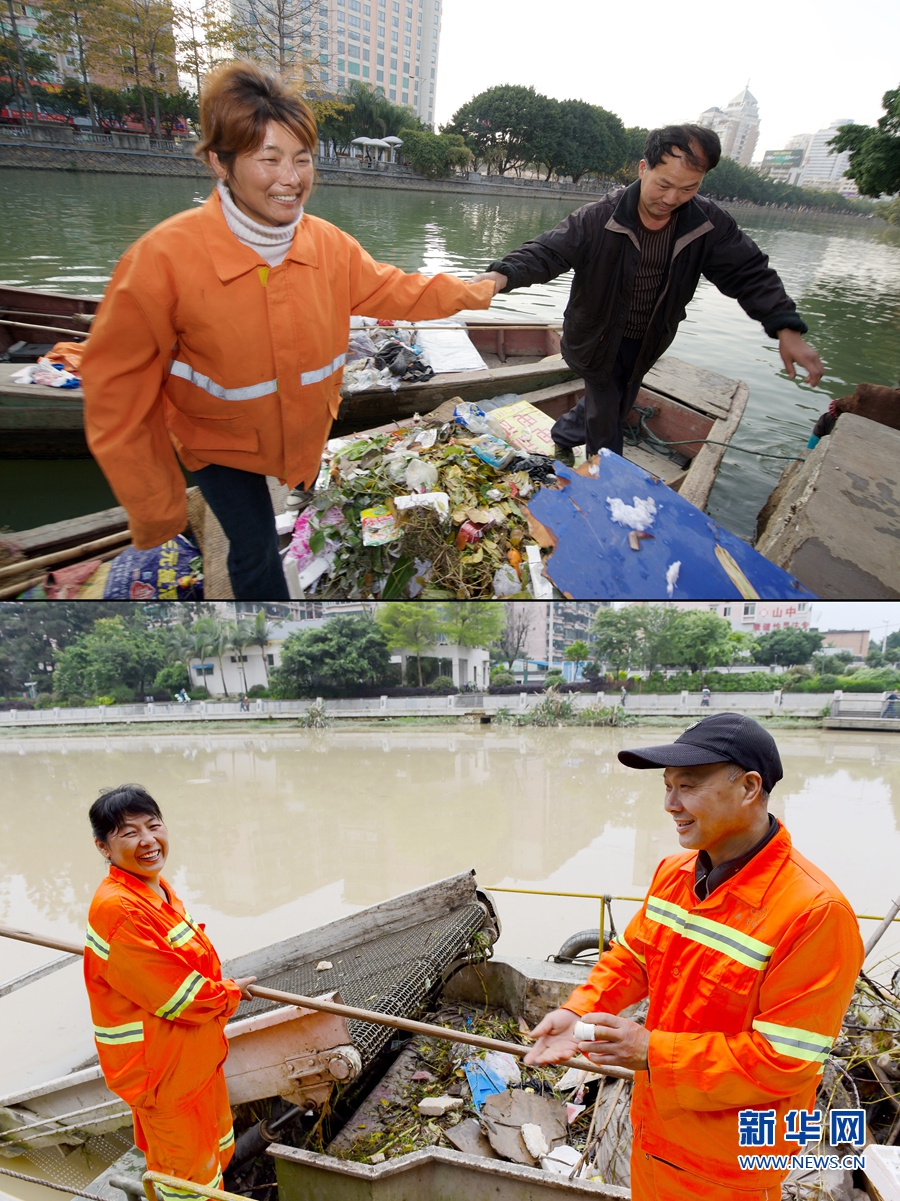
(241, 502)
(596, 420)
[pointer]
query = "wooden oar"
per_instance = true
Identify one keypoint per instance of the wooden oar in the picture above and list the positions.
(362, 1015)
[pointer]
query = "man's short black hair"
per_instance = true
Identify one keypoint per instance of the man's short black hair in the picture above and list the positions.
(114, 805)
(699, 145)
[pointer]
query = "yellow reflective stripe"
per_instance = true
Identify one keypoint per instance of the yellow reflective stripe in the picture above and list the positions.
(113, 1036)
(620, 938)
(180, 934)
(799, 1044)
(740, 947)
(226, 1140)
(182, 997)
(93, 942)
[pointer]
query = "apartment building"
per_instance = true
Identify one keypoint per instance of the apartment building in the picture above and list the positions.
(391, 44)
(758, 617)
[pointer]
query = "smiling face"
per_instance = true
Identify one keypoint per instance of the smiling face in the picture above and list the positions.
(671, 183)
(272, 183)
(713, 812)
(139, 846)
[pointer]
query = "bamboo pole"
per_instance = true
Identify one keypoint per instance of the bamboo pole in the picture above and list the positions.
(362, 1015)
(63, 556)
(52, 329)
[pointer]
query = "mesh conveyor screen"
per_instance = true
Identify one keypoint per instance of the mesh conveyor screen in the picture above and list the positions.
(395, 974)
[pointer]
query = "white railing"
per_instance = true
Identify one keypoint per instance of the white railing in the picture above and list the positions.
(676, 705)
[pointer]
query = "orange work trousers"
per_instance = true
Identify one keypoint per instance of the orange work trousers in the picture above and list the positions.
(194, 1143)
(655, 1180)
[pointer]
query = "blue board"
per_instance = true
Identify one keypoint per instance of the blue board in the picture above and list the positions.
(594, 561)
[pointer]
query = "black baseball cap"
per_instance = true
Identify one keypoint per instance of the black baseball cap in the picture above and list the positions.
(719, 738)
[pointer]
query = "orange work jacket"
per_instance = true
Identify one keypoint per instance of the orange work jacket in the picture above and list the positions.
(747, 993)
(200, 348)
(158, 1000)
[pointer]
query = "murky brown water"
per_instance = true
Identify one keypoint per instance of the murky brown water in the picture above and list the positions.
(271, 835)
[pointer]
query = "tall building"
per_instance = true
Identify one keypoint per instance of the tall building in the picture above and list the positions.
(737, 126)
(391, 44)
(824, 170)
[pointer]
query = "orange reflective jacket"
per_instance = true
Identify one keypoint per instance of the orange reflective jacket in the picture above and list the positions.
(199, 347)
(158, 1000)
(747, 992)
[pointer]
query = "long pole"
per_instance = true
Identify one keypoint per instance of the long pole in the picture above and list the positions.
(888, 918)
(362, 1015)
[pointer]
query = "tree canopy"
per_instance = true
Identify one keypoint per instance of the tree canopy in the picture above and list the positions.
(786, 647)
(434, 154)
(509, 127)
(874, 150)
(345, 651)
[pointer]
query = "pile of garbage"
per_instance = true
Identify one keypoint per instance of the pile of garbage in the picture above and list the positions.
(433, 509)
(380, 355)
(441, 1093)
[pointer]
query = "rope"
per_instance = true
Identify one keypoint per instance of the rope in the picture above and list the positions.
(645, 413)
(60, 1188)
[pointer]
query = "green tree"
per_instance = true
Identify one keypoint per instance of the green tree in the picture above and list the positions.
(82, 27)
(345, 653)
(892, 643)
(435, 154)
(410, 626)
(655, 626)
(787, 647)
(262, 633)
(212, 638)
(874, 150)
(700, 639)
(578, 653)
(471, 623)
(19, 64)
(592, 141)
(503, 127)
(240, 635)
(112, 656)
(635, 141)
(616, 636)
(34, 633)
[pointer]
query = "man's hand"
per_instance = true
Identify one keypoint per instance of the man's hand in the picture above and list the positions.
(794, 350)
(497, 278)
(621, 1042)
(243, 984)
(555, 1040)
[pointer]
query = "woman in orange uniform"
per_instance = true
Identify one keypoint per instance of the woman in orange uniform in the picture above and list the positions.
(158, 1000)
(223, 334)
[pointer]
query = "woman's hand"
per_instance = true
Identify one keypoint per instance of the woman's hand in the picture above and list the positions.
(496, 277)
(243, 984)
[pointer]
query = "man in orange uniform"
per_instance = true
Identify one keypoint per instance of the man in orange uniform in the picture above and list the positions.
(158, 1000)
(749, 956)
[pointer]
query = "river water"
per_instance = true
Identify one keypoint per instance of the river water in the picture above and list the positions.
(65, 232)
(274, 834)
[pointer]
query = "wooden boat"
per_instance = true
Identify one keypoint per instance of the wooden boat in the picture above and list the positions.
(47, 423)
(401, 950)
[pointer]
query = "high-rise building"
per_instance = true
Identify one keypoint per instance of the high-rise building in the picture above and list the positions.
(391, 44)
(824, 170)
(737, 126)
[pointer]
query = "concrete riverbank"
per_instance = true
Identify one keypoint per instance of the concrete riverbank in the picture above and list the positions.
(112, 160)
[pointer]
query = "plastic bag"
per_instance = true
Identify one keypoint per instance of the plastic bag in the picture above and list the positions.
(173, 571)
(504, 1065)
(379, 526)
(439, 501)
(493, 451)
(421, 476)
(506, 581)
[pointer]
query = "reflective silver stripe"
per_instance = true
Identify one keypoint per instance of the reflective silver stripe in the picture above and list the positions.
(316, 377)
(186, 372)
(795, 1042)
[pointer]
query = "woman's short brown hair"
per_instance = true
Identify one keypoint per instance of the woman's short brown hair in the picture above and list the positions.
(238, 100)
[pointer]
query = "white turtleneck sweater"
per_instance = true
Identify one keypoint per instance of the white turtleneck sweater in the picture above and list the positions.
(271, 242)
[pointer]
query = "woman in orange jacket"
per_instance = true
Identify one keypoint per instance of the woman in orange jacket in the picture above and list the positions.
(222, 336)
(158, 1000)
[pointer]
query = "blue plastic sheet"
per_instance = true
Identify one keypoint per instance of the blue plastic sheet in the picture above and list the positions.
(594, 560)
(483, 1082)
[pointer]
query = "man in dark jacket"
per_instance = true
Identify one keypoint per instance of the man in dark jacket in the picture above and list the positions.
(638, 255)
